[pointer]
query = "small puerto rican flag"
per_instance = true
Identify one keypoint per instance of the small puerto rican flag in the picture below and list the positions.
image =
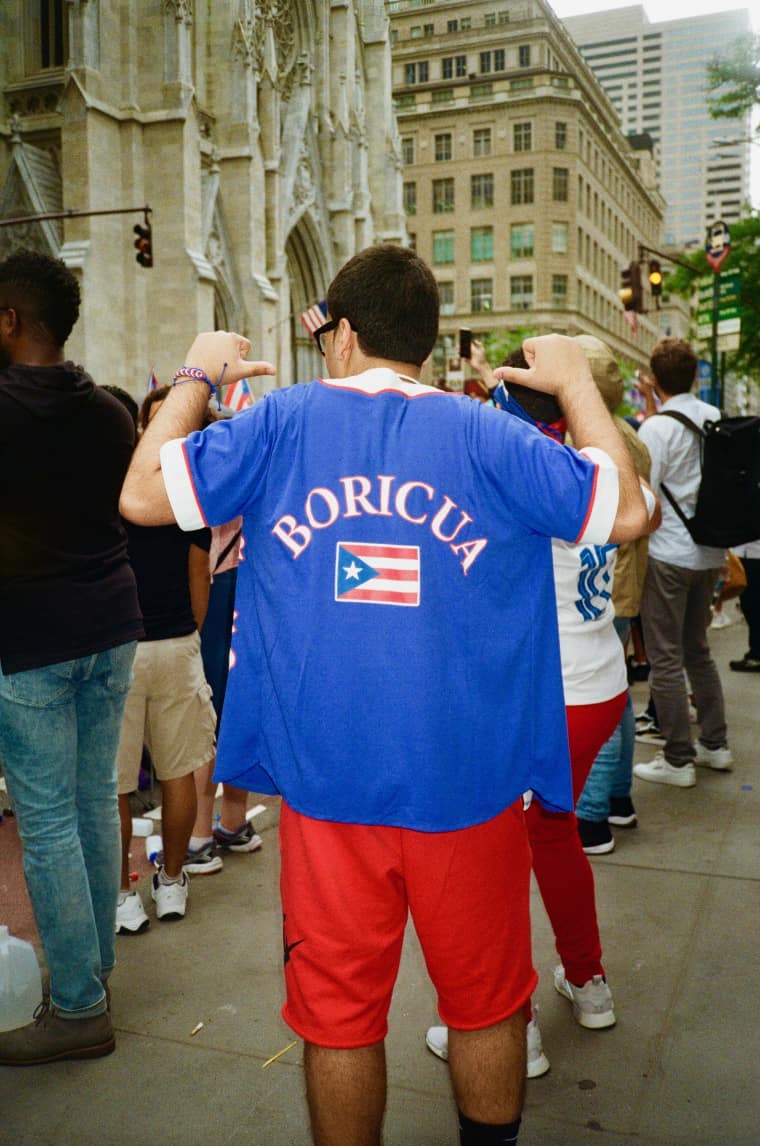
(377, 574)
(239, 395)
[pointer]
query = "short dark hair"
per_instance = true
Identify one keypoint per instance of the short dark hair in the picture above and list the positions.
(674, 365)
(127, 401)
(541, 407)
(43, 289)
(149, 400)
(390, 297)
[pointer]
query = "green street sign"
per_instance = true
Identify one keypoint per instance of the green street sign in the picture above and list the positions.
(729, 287)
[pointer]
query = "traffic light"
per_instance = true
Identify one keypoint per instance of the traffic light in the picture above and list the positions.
(655, 278)
(144, 244)
(630, 288)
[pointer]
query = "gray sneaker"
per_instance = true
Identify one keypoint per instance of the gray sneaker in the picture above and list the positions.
(592, 1003)
(51, 1038)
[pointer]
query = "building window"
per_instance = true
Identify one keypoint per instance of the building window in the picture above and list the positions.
(521, 292)
(452, 26)
(404, 101)
(447, 68)
(428, 29)
(481, 191)
(521, 85)
(490, 20)
(418, 73)
(465, 23)
(559, 238)
(443, 248)
(443, 147)
(559, 290)
(485, 62)
(407, 150)
(412, 241)
(481, 244)
(481, 91)
(481, 295)
(523, 55)
(560, 183)
(446, 297)
(443, 95)
(410, 198)
(443, 196)
(481, 142)
(499, 60)
(522, 186)
(53, 34)
(415, 32)
(522, 240)
(560, 136)
(522, 136)
(461, 66)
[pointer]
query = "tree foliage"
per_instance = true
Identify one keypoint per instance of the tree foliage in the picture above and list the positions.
(733, 81)
(745, 258)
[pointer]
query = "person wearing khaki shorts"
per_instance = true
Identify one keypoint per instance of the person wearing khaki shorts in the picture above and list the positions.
(169, 704)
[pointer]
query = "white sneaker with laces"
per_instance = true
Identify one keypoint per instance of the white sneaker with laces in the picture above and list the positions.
(592, 1003)
(437, 1041)
(719, 759)
(170, 898)
(130, 914)
(660, 772)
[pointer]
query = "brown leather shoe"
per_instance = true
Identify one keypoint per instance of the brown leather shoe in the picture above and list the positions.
(51, 1038)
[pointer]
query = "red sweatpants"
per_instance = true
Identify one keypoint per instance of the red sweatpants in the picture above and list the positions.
(562, 868)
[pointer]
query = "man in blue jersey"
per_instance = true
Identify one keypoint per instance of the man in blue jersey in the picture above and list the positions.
(402, 571)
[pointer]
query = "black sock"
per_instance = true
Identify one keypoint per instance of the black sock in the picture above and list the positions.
(483, 1134)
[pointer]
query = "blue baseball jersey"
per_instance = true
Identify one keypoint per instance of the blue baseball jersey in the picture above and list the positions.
(395, 657)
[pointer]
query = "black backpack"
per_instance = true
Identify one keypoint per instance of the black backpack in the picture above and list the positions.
(728, 501)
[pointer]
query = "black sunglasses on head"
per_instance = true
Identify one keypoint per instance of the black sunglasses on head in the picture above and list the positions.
(324, 329)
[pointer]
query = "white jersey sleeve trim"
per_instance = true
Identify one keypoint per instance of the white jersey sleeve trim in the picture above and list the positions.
(179, 486)
(603, 506)
(649, 500)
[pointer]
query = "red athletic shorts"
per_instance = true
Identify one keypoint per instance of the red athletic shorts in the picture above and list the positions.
(346, 892)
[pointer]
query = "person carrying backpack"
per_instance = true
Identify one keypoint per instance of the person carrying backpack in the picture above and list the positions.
(680, 580)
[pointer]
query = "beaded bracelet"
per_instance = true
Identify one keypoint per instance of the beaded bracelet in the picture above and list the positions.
(195, 374)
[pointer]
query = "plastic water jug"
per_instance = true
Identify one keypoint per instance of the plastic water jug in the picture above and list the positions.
(153, 845)
(20, 983)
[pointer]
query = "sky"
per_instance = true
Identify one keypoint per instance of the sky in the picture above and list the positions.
(674, 10)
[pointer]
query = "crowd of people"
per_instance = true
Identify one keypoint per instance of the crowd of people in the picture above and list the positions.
(362, 521)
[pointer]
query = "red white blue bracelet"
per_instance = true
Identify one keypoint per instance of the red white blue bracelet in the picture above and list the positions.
(195, 374)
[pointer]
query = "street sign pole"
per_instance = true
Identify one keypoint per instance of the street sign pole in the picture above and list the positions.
(714, 384)
(716, 251)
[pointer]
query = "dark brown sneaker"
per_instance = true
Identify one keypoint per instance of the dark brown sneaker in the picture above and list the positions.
(50, 1039)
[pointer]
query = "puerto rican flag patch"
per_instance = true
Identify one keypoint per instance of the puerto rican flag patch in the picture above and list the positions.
(377, 574)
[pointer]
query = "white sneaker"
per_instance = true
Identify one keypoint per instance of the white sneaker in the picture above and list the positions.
(437, 1041)
(170, 898)
(720, 620)
(719, 759)
(592, 1003)
(130, 914)
(660, 772)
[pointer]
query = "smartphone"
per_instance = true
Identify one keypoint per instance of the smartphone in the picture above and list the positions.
(465, 343)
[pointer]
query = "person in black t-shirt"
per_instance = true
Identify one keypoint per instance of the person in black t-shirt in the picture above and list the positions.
(69, 619)
(169, 703)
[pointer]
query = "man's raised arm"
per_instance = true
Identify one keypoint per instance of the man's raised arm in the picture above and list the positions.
(143, 497)
(558, 366)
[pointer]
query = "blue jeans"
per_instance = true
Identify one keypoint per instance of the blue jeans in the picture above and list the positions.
(59, 732)
(611, 772)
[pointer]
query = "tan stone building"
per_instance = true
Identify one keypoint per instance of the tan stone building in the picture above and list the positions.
(519, 186)
(261, 134)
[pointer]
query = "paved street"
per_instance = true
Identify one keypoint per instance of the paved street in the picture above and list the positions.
(679, 904)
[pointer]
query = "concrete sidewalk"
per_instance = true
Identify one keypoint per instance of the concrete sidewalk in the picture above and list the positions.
(679, 905)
